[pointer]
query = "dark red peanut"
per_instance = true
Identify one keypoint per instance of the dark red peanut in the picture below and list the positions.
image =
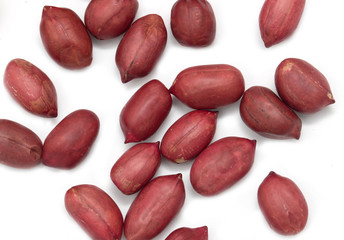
(19, 146)
(188, 136)
(154, 207)
(141, 47)
(283, 204)
(106, 19)
(145, 111)
(278, 19)
(184, 233)
(69, 142)
(31, 88)
(95, 211)
(222, 164)
(136, 167)
(65, 37)
(193, 22)
(208, 86)
(302, 87)
(266, 114)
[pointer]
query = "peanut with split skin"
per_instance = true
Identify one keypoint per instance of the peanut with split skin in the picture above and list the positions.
(107, 19)
(95, 211)
(141, 47)
(302, 87)
(154, 207)
(31, 88)
(19, 146)
(278, 19)
(263, 112)
(65, 37)
(188, 136)
(136, 167)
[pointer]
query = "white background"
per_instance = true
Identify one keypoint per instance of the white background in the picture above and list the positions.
(32, 201)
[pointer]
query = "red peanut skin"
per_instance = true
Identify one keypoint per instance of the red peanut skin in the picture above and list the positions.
(266, 114)
(107, 19)
(19, 146)
(31, 88)
(302, 87)
(188, 136)
(184, 233)
(193, 23)
(282, 204)
(65, 37)
(208, 86)
(222, 164)
(145, 111)
(136, 167)
(278, 19)
(95, 211)
(69, 142)
(154, 207)
(141, 47)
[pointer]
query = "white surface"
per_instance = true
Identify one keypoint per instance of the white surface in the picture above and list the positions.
(31, 202)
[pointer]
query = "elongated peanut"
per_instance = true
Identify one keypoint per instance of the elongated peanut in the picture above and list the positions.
(155, 207)
(193, 22)
(278, 19)
(106, 19)
(136, 167)
(69, 142)
(188, 136)
(266, 114)
(19, 146)
(283, 204)
(145, 111)
(184, 233)
(65, 37)
(222, 164)
(31, 88)
(141, 47)
(95, 211)
(208, 86)
(302, 87)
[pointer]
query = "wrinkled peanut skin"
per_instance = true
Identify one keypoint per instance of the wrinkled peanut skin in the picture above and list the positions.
(208, 86)
(282, 204)
(19, 146)
(136, 167)
(184, 233)
(145, 111)
(188, 136)
(154, 207)
(107, 19)
(278, 19)
(193, 23)
(70, 141)
(263, 112)
(95, 211)
(31, 88)
(222, 164)
(302, 87)
(141, 47)
(65, 37)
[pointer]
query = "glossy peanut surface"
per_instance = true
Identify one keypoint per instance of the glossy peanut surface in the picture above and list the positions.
(70, 141)
(282, 204)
